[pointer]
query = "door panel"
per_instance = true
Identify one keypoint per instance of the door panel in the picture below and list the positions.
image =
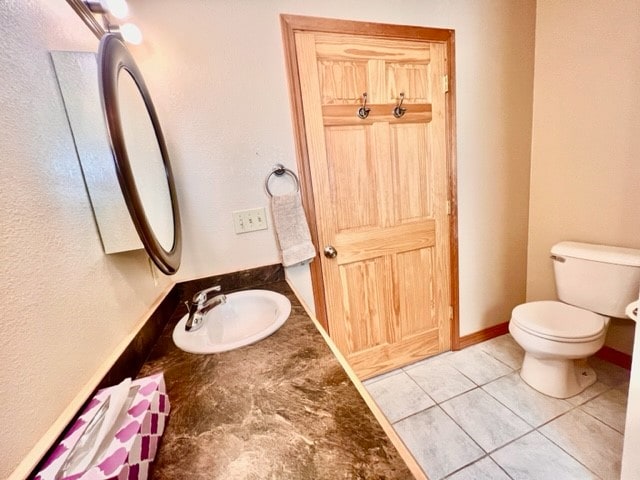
(341, 81)
(364, 291)
(380, 190)
(410, 156)
(417, 311)
(410, 79)
(353, 178)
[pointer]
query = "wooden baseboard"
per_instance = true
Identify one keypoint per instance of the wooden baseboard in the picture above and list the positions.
(482, 335)
(608, 354)
(614, 356)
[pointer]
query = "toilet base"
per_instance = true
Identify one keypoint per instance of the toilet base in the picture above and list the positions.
(557, 377)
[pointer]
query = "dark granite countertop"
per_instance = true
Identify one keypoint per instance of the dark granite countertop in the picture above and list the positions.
(283, 408)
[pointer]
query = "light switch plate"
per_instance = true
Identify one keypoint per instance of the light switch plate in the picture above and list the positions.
(249, 220)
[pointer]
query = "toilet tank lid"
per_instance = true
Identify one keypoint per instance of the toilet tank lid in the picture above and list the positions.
(598, 253)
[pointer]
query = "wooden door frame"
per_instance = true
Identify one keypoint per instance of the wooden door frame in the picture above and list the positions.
(294, 23)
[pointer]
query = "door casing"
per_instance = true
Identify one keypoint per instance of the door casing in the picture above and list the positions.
(294, 23)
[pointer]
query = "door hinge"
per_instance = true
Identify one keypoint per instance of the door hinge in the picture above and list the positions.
(448, 207)
(445, 83)
(451, 312)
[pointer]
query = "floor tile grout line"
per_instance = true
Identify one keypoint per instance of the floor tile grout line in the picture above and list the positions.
(546, 438)
(479, 460)
(561, 448)
(496, 358)
(461, 428)
(433, 359)
(531, 428)
(475, 385)
(449, 475)
(501, 467)
(420, 387)
(410, 415)
(486, 453)
(382, 376)
(599, 419)
(480, 386)
(459, 394)
(592, 398)
(579, 407)
(510, 442)
(508, 408)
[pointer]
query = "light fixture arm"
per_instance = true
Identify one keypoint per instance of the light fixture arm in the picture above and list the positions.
(96, 6)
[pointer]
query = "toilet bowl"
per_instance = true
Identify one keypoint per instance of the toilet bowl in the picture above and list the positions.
(556, 338)
(594, 283)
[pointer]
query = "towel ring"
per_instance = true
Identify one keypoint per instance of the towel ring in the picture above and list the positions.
(278, 170)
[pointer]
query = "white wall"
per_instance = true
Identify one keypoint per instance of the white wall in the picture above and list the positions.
(65, 304)
(585, 156)
(217, 72)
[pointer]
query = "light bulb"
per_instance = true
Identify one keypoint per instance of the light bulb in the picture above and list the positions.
(117, 8)
(131, 33)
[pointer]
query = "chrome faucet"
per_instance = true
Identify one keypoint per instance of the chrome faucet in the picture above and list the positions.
(200, 305)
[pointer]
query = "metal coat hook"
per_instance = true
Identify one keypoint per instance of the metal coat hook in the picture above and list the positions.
(363, 111)
(398, 111)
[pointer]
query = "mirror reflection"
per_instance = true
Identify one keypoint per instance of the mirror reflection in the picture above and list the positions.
(145, 160)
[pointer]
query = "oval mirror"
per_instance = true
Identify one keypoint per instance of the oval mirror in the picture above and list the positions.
(140, 154)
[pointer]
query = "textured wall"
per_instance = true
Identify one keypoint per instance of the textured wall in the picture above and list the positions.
(217, 70)
(65, 304)
(585, 156)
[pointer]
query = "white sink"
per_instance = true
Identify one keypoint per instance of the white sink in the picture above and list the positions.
(245, 318)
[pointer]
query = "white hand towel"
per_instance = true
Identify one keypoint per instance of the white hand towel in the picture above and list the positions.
(292, 230)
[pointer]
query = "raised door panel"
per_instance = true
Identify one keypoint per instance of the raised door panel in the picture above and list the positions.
(352, 178)
(412, 172)
(342, 82)
(364, 286)
(417, 307)
(411, 79)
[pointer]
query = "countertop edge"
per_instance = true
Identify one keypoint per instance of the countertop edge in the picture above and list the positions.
(410, 461)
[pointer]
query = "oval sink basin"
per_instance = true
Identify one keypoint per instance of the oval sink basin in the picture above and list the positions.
(245, 318)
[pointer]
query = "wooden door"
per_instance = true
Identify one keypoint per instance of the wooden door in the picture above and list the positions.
(381, 193)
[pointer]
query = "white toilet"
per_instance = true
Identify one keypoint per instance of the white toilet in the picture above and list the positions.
(593, 283)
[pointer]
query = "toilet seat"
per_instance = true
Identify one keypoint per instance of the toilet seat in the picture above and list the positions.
(559, 322)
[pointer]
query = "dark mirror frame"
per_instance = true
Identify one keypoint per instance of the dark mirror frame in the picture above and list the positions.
(113, 57)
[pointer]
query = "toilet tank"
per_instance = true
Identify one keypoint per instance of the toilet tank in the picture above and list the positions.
(598, 278)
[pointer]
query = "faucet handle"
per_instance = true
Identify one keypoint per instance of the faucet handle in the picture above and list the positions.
(201, 296)
(191, 306)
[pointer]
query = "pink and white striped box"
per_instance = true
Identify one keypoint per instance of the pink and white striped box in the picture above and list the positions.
(134, 444)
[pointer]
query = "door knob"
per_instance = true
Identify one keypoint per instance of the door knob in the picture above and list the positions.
(330, 252)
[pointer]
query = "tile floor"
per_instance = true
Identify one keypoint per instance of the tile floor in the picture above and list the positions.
(467, 415)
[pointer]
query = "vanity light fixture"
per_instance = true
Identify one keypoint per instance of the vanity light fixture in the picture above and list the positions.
(129, 32)
(117, 9)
